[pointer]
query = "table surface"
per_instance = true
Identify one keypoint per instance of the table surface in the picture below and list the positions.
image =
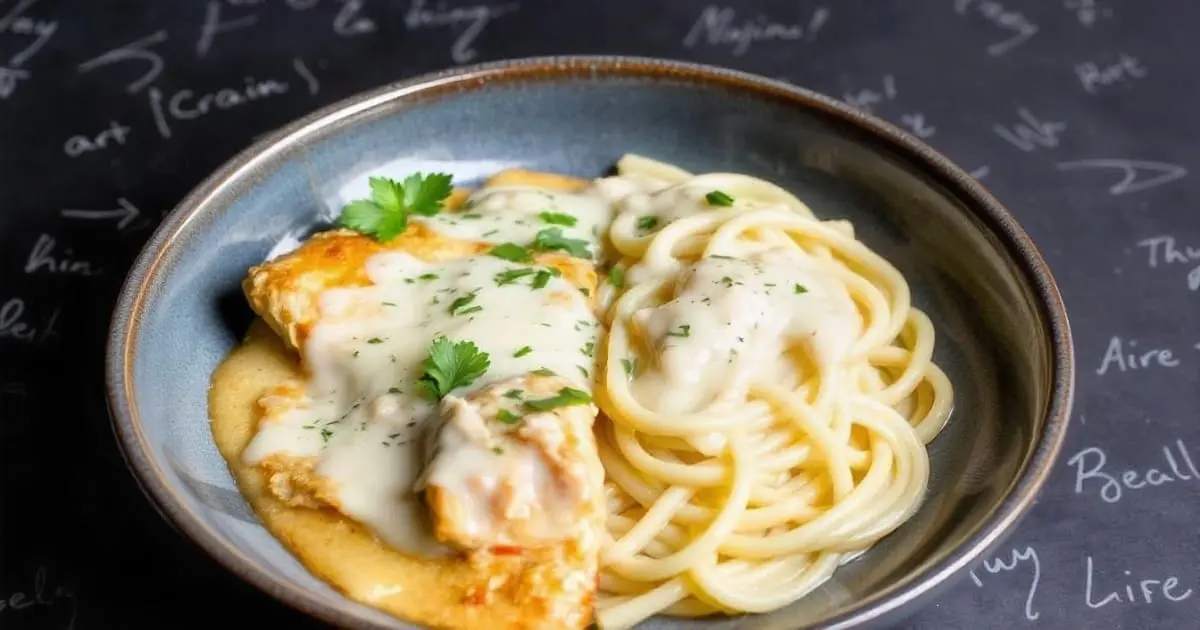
(1080, 115)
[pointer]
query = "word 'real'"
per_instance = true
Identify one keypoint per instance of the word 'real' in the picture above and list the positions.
(1014, 561)
(1162, 249)
(720, 26)
(41, 596)
(474, 18)
(1090, 464)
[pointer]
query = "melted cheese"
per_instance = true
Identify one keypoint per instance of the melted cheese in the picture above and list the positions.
(732, 321)
(514, 214)
(361, 413)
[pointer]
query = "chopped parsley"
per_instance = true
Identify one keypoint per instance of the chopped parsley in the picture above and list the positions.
(718, 198)
(630, 366)
(394, 390)
(514, 394)
(522, 352)
(512, 252)
(684, 330)
(507, 417)
(374, 340)
(647, 223)
(460, 304)
(451, 364)
(512, 275)
(566, 397)
(545, 372)
(588, 348)
(799, 288)
(541, 279)
(727, 282)
(557, 218)
(427, 276)
(616, 277)
(551, 239)
(385, 215)
(497, 450)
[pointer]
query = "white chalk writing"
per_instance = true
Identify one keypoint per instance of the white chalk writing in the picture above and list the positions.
(77, 145)
(137, 50)
(189, 105)
(213, 26)
(43, 258)
(307, 75)
(1090, 464)
(1164, 249)
(348, 22)
(719, 26)
(866, 99)
(1147, 589)
(15, 22)
(1014, 22)
(1132, 170)
(42, 596)
(1088, 12)
(125, 213)
(475, 17)
(15, 325)
(1032, 132)
(1125, 69)
(999, 565)
(1121, 356)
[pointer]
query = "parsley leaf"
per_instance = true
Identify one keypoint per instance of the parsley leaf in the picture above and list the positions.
(549, 239)
(541, 279)
(522, 352)
(630, 366)
(799, 288)
(647, 223)
(507, 417)
(451, 365)
(566, 397)
(512, 252)
(616, 277)
(512, 275)
(718, 198)
(545, 372)
(425, 195)
(683, 331)
(558, 218)
(461, 302)
(385, 215)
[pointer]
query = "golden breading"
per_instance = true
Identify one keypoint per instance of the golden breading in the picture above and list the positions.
(285, 292)
(538, 179)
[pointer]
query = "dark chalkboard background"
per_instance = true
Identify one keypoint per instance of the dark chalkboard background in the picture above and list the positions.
(1081, 115)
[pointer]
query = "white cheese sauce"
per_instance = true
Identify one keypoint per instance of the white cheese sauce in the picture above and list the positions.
(515, 214)
(362, 414)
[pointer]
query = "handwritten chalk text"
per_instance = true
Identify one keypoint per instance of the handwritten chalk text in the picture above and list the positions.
(115, 134)
(1121, 356)
(1125, 69)
(1032, 132)
(1138, 175)
(720, 26)
(14, 324)
(1148, 590)
(1000, 565)
(1013, 23)
(475, 18)
(42, 596)
(1090, 465)
(188, 104)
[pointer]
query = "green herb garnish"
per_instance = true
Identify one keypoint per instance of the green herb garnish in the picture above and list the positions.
(512, 252)
(647, 223)
(550, 239)
(512, 275)
(507, 417)
(616, 277)
(630, 366)
(385, 215)
(683, 331)
(522, 352)
(558, 218)
(799, 288)
(566, 397)
(461, 302)
(451, 364)
(718, 198)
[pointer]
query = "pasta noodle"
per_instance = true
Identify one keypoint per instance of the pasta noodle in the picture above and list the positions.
(740, 483)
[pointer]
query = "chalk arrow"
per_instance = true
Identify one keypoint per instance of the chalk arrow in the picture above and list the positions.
(1156, 173)
(126, 213)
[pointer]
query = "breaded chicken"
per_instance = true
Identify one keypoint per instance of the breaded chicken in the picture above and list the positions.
(522, 491)
(285, 291)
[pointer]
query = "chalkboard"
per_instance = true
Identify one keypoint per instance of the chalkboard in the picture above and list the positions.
(1081, 115)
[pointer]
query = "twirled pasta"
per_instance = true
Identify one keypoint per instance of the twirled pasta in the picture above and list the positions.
(746, 497)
